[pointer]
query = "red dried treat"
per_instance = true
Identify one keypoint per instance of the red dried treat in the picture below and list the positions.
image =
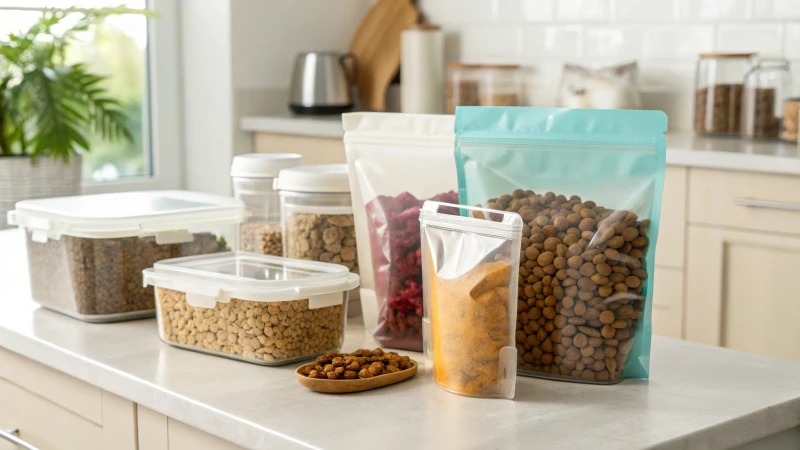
(396, 259)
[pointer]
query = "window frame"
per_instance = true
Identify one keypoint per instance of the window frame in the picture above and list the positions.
(164, 129)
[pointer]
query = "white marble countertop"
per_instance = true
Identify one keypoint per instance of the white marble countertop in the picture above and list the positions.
(683, 148)
(699, 397)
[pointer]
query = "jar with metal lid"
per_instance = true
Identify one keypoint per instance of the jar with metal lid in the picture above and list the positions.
(253, 177)
(719, 81)
(501, 85)
(317, 214)
(462, 86)
(766, 85)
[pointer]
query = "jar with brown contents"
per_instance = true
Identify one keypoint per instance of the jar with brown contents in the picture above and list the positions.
(582, 284)
(766, 86)
(718, 92)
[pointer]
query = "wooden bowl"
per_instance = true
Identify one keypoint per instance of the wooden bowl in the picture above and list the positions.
(341, 386)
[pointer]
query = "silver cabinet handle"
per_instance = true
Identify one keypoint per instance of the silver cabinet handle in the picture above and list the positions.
(766, 204)
(11, 436)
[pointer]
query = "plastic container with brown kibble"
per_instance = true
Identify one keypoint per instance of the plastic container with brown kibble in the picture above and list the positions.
(256, 308)
(86, 253)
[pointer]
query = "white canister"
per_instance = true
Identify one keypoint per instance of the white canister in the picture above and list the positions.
(422, 71)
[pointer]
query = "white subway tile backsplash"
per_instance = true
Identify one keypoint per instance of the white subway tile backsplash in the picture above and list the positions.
(679, 41)
(792, 41)
(537, 10)
(522, 10)
(468, 11)
(644, 11)
(712, 9)
(500, 40)
(776, 9)
(561, 42)
(613, 43)
(666, 75)
(766, 39)
(583, 10)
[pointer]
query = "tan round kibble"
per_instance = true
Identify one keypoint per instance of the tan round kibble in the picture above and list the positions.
(606, 317)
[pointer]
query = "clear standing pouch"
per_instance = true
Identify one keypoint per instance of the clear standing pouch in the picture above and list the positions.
(470, 265)
(588, 185)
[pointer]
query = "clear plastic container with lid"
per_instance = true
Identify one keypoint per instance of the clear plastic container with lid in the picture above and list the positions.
(86, 253)
(256, 308)
(501, 85)
(317, 214)
(253, 178)
(719, 79)
(766, 86)
(462, 86)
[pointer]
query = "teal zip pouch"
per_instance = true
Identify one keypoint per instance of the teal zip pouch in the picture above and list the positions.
(588, 185)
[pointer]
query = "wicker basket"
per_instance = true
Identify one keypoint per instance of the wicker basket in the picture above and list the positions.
(49, 177)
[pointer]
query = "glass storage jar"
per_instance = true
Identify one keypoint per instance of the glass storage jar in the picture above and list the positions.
(461, 87)
(719, 81)
(317, 214)
(766, 85)
(253, 177)
(86, 253)
(256, 308)
(501, 85)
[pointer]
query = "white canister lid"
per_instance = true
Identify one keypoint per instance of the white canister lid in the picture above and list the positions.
(326, 178)
(264, 165)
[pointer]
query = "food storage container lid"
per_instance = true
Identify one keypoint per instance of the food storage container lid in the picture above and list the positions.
(167, 215)
(218, 277)
(326, 178)
(264, 165)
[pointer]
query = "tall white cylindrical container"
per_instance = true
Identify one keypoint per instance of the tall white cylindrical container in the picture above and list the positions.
(422, 71)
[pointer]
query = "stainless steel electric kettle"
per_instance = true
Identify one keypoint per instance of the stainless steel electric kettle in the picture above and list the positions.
(322, 83)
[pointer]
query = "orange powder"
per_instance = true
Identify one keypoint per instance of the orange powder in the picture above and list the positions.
(469, 326)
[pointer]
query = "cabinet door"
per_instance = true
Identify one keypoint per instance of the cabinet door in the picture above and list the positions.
(743, 291)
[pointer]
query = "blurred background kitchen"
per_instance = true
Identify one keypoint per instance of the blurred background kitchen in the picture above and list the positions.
(208, 80)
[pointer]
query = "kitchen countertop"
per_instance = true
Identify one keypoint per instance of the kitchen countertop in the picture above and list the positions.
(683, 148)
(698, 396)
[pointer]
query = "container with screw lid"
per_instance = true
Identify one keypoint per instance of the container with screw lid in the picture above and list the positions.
(719, 79)
(253, 177)
(256, 308)
(317, 214)
(766, 86)
(86, 253)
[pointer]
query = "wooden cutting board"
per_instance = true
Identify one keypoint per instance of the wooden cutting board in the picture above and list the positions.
(376, 45)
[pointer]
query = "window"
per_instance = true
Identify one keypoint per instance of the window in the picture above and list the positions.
(130, 50)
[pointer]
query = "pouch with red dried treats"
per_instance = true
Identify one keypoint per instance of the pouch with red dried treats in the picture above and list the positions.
(396, 162)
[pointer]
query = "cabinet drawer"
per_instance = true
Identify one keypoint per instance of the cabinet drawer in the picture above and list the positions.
(671, 234)
(716, 197)
(68, 392)
(668, 302)
(44, 424)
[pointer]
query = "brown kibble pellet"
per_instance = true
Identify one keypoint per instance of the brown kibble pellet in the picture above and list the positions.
(606, 317)
(608, 331)
(580, 340)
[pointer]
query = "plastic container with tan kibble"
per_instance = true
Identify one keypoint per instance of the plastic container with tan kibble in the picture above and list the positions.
(256, 308)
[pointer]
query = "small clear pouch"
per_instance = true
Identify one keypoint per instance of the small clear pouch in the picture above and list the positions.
(470, 266)
(588, 185)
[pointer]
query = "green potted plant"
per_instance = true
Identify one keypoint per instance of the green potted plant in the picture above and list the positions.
(47, 106)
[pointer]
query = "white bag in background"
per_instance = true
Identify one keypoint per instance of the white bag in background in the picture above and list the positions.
(396, 162)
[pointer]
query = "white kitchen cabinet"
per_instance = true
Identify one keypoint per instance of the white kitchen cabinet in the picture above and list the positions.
(159, 432)
(742, 290)
(668, 302)
(315, 150)
(671, 234)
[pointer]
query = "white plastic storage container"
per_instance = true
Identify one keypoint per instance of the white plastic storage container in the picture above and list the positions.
(256, 308)
(317, 214)
(253, 177)
(86, 253)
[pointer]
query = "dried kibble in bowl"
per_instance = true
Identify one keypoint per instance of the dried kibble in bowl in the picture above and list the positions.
(274, 332)
(582, 276)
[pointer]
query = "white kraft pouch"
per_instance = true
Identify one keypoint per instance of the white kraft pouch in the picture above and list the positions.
(396, 162)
